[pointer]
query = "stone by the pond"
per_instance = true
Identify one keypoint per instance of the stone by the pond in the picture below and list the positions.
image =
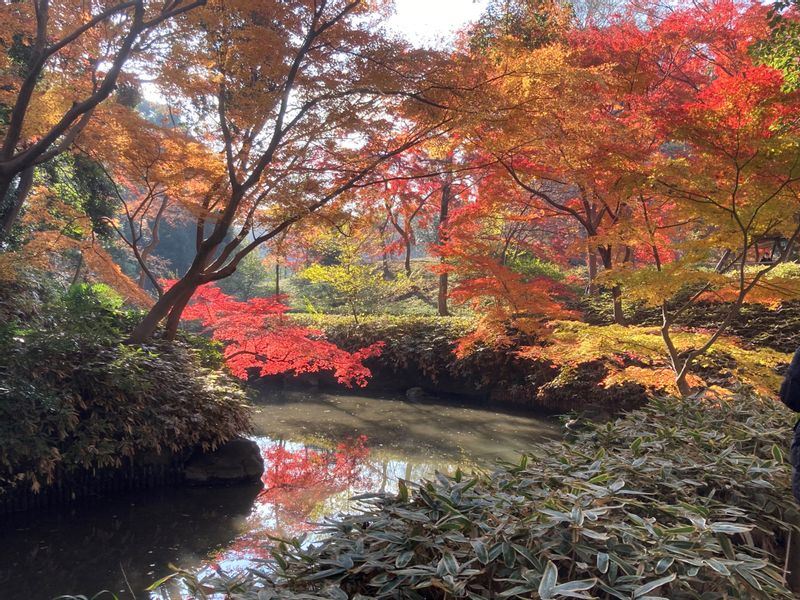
(415, 394)
(237, 461)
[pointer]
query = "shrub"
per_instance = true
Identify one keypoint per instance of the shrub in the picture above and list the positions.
(69, 402)
(786, 270)
(421, 343)
(757, 325)
(536, 267)
(683, 499)
(636, 354)
(420, 351)
(73, 396)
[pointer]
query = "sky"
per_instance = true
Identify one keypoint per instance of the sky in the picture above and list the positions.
(429, 22)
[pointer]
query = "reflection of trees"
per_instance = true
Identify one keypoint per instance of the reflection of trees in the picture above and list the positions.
(304, 483)
(300, 481)
(296, 481)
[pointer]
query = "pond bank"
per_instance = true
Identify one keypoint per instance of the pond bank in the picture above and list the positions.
(420, 352)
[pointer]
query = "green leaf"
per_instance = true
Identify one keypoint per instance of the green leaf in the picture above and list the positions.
(718, 566)
(480, 552)
(404, 558)
(777, 454)
(337, 593)
(729, 528)
(402, 490)
(572, 589)
(549, 580)
(642, 590)
(748, 577)
(602, 562)
(450, 563)
(664, 564)
(509, 556)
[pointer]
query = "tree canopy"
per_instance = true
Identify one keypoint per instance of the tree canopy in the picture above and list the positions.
(643, 151)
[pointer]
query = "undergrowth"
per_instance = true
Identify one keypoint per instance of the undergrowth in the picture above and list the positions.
(682, 499)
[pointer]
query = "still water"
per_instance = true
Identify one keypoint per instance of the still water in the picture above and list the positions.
(319, 450)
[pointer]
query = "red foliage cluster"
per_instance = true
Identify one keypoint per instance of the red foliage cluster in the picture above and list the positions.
(258, 335)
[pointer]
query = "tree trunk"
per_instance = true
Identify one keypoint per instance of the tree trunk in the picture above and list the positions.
(142, 281)
(277, 277)
(444, 209)
(442, 296)
(408, 258)
(11, 208)
(78, 270)
(387, 272)
(163, 307)
(144, 273)
(174, 317)
(5, 206)
(172, 302)
(682, 384)
(591, 261)
(616, 291)
(616, 300)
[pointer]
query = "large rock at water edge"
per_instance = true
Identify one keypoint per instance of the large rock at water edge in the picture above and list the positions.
(237, 461)
(416, 394)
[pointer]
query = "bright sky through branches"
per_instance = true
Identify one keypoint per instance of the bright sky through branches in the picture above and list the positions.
(430, 22)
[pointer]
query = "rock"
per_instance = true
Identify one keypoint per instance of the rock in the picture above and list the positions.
(237, 461)
(415, 394)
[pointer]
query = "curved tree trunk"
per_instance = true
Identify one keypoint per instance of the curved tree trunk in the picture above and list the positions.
(683, 385)
(162, 308)
(174, 317)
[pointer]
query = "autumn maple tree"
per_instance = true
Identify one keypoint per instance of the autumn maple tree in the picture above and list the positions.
(159, 175)
(59, 59)
(656, 142)
(410, 200)
(298, 126)
(649, 152)
(555, 126)
(725, 178)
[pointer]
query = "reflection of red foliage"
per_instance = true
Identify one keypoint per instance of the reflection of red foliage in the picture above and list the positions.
(258, 334)
(297, 481)
(306, 468)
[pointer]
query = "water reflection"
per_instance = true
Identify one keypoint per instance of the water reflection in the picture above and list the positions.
(306, 483)
(320, 450)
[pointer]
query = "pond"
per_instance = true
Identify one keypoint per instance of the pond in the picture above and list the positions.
(320, 449)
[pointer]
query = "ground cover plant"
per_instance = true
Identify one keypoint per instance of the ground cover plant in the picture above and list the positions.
(682, 499)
